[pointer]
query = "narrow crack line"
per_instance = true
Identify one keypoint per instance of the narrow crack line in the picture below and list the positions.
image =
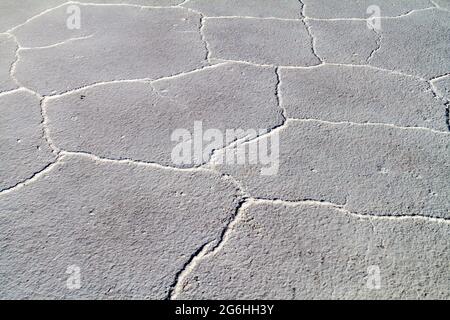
(116, 5)
(224, 235)
(12, 68)
(34, 177)
(186, 73)
(407, 13)
(375, 68)
(349, 65)
(278, 201)
(437, 6)
(219, 60)
(439, 96)
(203, 38)
(254, 18)
(37, 16)
(286, 19)
(243, 192)
(45, 128)
(4, 93)
(128, 161)
(435, 91)
(382, 17)
(58, 43)
(213, 161)
(308, 29)
(178, 6)
(363, 124)
(434, 3)
(302, 10)
(31, 91)
(437, 78)
(206, 250)
(377, 45)
(185, 270)
(278, 95)
(312, 40)
(245, 140)
(183, 3)
(336, 19)
(341, 208)
(447, 114)
(95, 84)
(139, 80)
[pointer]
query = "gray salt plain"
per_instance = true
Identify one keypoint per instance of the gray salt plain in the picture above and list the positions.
(89, 189)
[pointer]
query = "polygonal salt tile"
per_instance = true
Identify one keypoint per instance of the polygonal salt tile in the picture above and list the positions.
(14, 12)
(132, 120)
(113, 43)
(444, 4)
(371, 169)
(23, 148)
(343, 41)
(360, 94)
(290, 9)
(443, 87)
(263, 41)
(416, 44)
(327, 9)
(7, 56)
(125, 230)
(280, 251)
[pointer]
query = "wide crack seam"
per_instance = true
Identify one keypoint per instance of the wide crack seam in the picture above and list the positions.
(308, 29)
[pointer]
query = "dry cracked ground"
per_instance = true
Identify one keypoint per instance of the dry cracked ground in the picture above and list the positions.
(92, 206)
